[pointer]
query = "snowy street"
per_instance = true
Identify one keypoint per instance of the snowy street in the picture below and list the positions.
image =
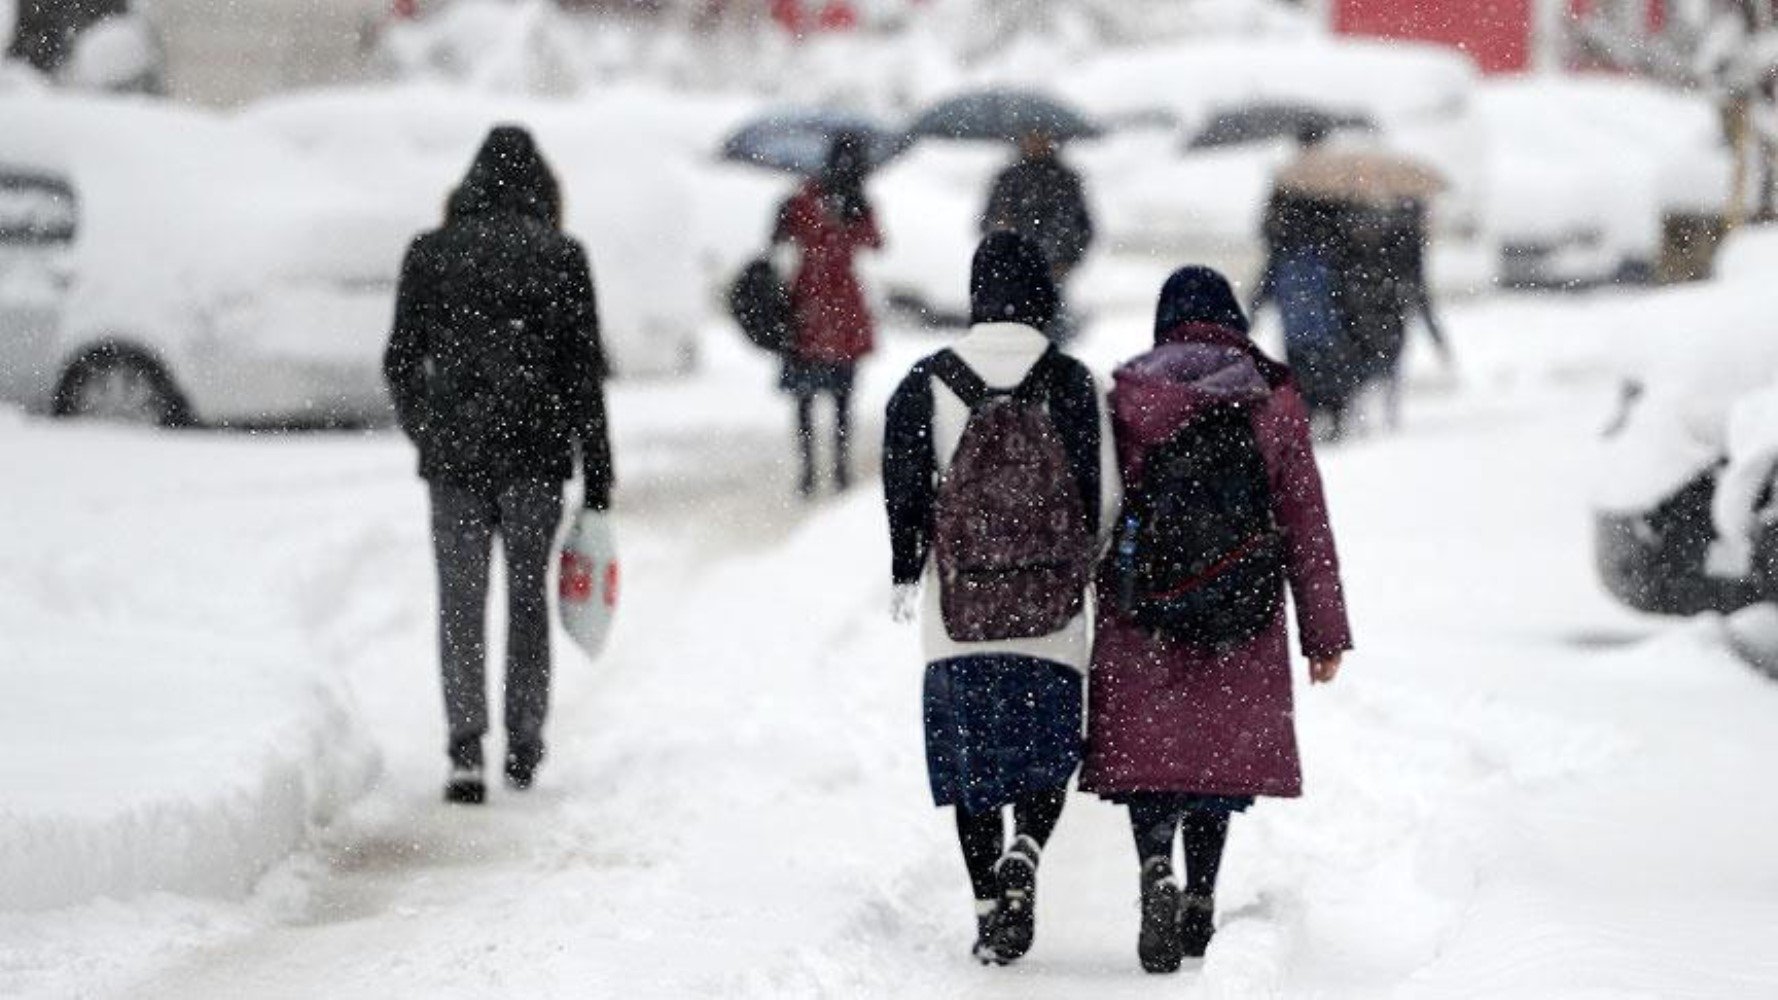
(1517, 788)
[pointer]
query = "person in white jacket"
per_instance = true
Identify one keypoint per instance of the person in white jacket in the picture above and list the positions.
(1003, 715)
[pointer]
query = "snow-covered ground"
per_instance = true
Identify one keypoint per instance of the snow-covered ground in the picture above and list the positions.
(1517, 788)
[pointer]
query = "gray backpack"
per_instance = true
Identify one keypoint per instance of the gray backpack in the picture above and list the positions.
(1011, 531)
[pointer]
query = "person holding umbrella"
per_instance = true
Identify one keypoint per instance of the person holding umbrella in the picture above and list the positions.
(1042, 199)
(828, 221)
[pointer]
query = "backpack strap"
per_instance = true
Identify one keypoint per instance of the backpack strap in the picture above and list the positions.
(1041, 380)
(950, 368)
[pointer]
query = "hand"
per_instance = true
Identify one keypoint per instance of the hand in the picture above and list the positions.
(904, 603)
(1323, 671)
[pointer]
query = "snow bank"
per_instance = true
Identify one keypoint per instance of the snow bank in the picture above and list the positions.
(169, 727)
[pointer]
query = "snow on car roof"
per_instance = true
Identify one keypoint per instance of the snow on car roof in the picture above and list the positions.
(1388, 80)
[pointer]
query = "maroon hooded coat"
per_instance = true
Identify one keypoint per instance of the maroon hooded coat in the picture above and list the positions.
(833, 321)
(1166, 717)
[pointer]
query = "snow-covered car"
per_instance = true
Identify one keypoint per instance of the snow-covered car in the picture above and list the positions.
(1584, 169)
(162, 265)
(1684, 483)
(211, 270)
(1155, 195)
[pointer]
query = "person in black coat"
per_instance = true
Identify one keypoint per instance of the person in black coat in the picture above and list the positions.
(1042, 199)
(496, 371)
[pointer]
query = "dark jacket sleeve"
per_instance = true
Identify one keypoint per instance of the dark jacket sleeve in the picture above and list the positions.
(582, 372)
(909, 470)
(1312, 564)
(404, 360)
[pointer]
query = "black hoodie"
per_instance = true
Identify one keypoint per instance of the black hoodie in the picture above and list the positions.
(495, 365)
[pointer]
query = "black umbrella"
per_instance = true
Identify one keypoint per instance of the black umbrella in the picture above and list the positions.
(1267, 121)
(1003, 116)
(797, 141)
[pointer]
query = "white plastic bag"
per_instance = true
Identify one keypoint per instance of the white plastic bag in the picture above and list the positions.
(587, 584)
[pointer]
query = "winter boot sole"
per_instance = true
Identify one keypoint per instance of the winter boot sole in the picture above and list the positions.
(1018, 908)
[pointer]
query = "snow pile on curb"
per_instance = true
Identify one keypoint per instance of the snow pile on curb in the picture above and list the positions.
(168, 726)
(205, 815)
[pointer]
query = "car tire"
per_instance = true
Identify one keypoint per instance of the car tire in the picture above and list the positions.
(121, 385)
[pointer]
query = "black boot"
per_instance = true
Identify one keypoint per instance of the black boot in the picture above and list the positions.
(1158, 945)
(985, 926)
(1017, 872)
(465, 785)
(1197, 924)
(521, 764)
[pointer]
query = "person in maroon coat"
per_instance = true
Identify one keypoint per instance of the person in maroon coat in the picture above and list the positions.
(829, 220)
(1181, 735)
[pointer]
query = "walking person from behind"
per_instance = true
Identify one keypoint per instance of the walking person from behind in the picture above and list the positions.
(828, 220)
(1191, 714)
(1042, 199)
(497, 372)
(998, 476)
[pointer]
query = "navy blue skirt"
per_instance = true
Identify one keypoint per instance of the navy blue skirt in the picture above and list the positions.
(999, 729)
(810, 378)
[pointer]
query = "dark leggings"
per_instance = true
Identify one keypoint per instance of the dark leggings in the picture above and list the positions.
(842, 434)
(1153, 819)
(983, 835)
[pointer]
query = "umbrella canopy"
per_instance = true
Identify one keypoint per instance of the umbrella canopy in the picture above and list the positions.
(1364, 176)
(1002, 116)
(796, 141)
(1269, 120)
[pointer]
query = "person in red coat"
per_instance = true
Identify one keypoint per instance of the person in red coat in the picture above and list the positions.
(1181, 735)
(828, 220)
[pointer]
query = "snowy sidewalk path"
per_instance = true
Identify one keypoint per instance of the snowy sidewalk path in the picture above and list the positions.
(1517, 789)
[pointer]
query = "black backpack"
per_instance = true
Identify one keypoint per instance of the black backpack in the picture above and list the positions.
(760, 305)
(1199, 557)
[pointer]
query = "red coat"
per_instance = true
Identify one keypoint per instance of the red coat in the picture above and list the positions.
(1167, 717)
(833, 323)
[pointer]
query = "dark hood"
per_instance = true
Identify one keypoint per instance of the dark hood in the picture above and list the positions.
(1197, 295)
(1009, 282)
(508, 176)
(1159, 392)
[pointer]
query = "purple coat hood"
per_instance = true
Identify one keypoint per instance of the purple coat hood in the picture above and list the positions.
(1162, 391)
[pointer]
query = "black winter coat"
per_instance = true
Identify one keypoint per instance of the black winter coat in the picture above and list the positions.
(495, 363)
(1042, 200)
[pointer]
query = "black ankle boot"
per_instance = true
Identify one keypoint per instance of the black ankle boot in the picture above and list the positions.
(1158, 944)
(465, 785)
(1197, 924)
(985, 926)
(1017, 919)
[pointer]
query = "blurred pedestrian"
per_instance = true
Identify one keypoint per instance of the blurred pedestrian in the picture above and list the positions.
(1191, 713)
(496, 370)
(1042, 199)
(997, 474)
(829, 220)
(1385, 290)
(1306, 257)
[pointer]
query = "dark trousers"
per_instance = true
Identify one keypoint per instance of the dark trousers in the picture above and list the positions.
(842, 437)
(464, 521)
(983, 835)
(1201, 825)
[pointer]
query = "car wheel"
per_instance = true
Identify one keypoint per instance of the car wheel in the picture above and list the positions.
(122, 386)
